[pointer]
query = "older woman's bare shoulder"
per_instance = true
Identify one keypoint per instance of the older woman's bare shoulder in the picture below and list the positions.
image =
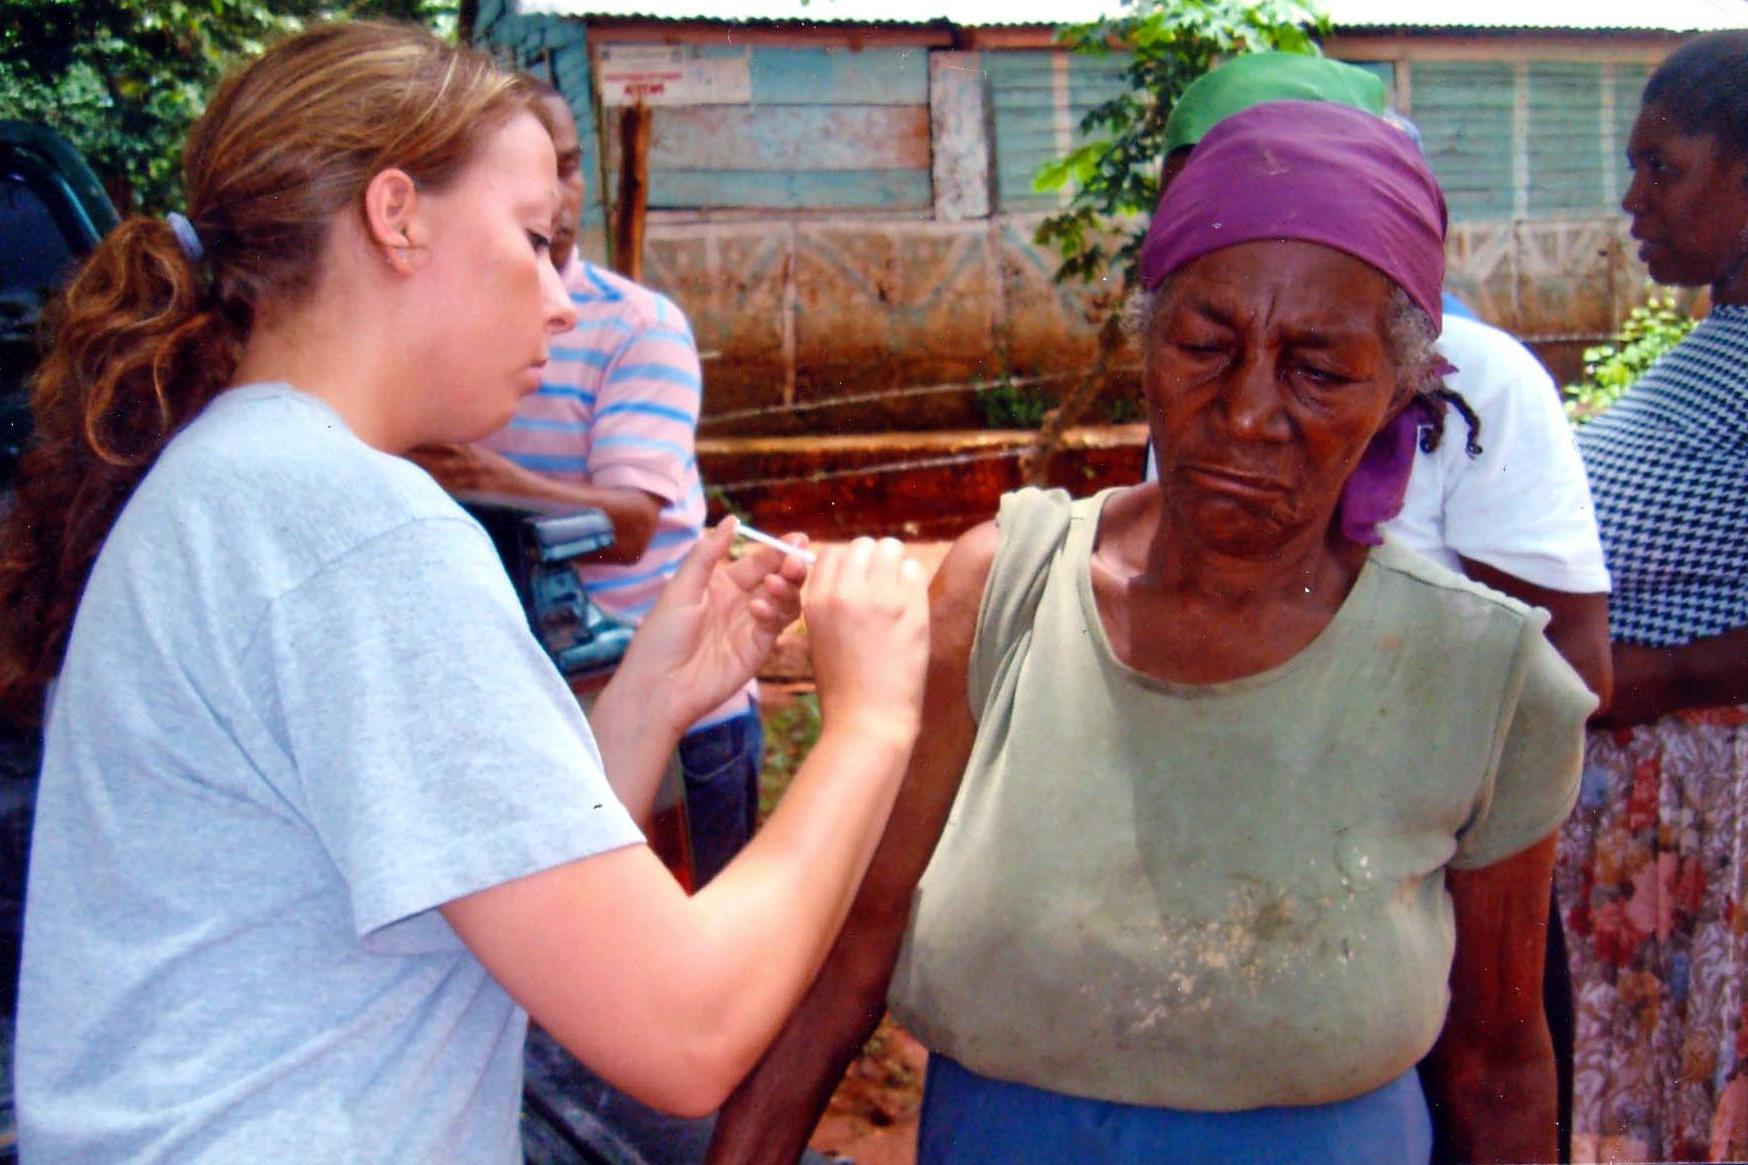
(964, 572)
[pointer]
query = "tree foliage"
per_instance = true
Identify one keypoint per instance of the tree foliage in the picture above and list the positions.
(1113, 179)
(123, 79)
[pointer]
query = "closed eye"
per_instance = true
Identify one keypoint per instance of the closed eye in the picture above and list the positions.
(1322, 376)
(542, 244)
(1202, 350)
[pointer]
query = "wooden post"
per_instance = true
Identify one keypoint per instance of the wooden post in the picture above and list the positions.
(633, 191)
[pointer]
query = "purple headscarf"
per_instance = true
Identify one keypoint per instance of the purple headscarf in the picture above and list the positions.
(1317, 172)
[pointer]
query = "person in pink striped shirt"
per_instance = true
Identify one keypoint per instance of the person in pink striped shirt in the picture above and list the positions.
(612, 427)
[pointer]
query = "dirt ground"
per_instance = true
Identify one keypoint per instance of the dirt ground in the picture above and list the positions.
(872, 1118)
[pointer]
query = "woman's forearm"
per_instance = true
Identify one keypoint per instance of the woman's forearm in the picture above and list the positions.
(1651, 682)
(769, 919)
(635, 747)
(670, 998)
(1498, 1113)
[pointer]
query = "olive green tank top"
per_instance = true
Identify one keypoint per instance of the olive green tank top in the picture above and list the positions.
(1229, 895)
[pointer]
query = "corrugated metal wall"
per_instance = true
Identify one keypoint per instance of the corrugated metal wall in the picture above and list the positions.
(1465, 111)
(1568, 147)
(1526, 139)
(1507, 139)
(836, 128)
(812, 300)
(1038, 99)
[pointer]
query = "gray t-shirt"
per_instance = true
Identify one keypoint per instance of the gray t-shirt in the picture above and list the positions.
(300, 710)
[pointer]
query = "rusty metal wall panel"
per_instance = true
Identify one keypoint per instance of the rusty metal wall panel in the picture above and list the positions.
(1565, 281)
(1544, 278)
(1048, 327)
(734, 286)
(821, 327)
(890, 305)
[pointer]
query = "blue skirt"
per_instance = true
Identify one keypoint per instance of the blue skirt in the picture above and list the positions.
(969, 1119)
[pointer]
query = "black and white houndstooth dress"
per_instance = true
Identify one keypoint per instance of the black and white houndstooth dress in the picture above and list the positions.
(1668, 467)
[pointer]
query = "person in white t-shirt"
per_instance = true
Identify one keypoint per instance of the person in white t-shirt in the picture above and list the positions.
(1516, 514)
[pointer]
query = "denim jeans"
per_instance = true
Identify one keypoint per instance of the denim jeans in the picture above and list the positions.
(721, 765)
(570, 1116)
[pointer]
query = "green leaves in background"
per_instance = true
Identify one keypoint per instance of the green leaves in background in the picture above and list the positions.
(123, 79)
(1610, 369)
(1114, 179)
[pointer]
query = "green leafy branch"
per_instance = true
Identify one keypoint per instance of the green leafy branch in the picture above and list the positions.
(1113, 178)
(1649, 330)
(123, 79)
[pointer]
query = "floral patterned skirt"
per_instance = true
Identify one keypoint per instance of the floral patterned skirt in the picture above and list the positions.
(1652, 874)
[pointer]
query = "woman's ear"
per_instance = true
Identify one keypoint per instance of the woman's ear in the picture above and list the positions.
(391, 217)
(1412, 383)
(1407, 388)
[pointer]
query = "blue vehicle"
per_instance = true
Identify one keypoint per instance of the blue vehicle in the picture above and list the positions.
(52, 212)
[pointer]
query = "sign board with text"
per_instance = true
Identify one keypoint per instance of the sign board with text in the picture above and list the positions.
(663, 75)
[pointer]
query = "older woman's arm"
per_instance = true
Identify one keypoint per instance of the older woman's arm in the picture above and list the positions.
(1653, 681)
(771, 1115)
(1490, 1077)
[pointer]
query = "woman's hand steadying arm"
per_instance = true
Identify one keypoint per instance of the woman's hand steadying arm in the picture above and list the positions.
(770, 1116)
(672, 998)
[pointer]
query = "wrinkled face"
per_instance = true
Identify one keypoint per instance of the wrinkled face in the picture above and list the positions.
(1689, 202)
(487, 286)
(1267, 374)
(569, 149)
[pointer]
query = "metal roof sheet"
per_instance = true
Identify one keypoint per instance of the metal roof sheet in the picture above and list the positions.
(1450, 15)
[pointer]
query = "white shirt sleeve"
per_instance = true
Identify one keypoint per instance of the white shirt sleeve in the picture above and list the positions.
(1523, 505)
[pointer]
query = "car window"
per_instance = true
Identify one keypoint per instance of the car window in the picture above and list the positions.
(34, 253)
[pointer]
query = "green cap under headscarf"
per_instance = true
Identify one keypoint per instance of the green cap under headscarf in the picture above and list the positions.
(1254, 78)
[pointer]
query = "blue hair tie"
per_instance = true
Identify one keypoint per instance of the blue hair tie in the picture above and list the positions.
(186, 236)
